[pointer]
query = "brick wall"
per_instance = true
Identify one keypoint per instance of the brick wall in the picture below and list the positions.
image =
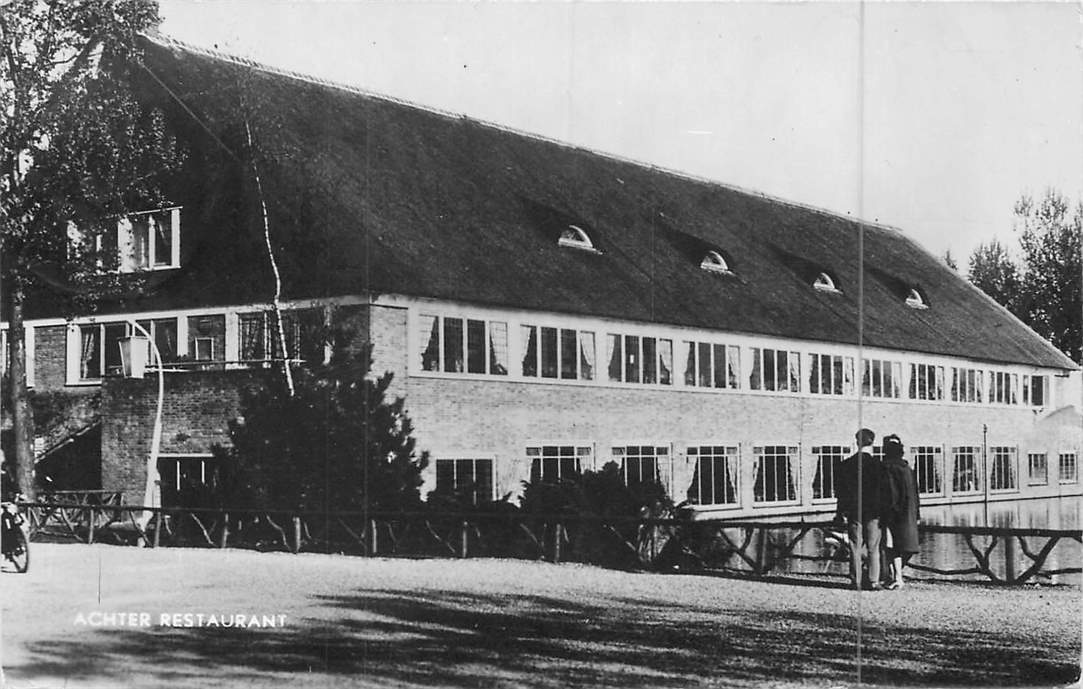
(196, 411)
(50, 355)
(460, 417)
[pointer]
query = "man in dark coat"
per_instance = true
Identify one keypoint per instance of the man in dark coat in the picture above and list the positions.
(858, 487)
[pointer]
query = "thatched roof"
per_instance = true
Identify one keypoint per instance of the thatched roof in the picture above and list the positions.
(372, 194)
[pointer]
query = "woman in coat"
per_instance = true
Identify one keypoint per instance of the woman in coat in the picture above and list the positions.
(901, 508)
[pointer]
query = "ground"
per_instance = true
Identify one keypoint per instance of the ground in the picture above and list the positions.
(359, 622)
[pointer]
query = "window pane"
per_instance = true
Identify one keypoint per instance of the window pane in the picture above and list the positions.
(631, 359)
(529, 334)
(549, 352)
(114, 332)
(689, 362)
(754, 382)
(719, 367)
(252, 337)
(453, 345)
(90, 362)
(475, 346)
(733, 365)
(498, 348)
(769, 370)
(704, 365)
(162, 238)
(650, 360)
(569, 353)
(586, 355)
(165, 337)
(613, 343)
(665, 356)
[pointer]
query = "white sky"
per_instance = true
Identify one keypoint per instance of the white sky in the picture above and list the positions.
(927, 116)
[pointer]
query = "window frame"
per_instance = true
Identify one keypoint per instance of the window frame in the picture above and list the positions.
(936, 459)
(997, 453)
(661, 454)
(974, 454)
(757, 380)
(474, 458)
(583, 454)
(792, 458)
(730, 457)
(1032, 478)
(820, 454)
(492, 345)
(1061, 464)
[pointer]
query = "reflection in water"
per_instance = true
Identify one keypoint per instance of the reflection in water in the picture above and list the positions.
(950, 551)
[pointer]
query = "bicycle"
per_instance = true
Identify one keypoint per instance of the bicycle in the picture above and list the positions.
(14, 544)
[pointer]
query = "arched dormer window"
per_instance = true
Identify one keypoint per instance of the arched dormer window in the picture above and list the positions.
(715, 263)
(825, 283)
(914, 299)
(576, 237)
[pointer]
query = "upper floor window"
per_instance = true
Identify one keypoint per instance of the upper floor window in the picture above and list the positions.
(966, 384)
(260, 340)
(711, 365)
(1003, 387)
(576, 237)
(1034, 390)
(775, 370)
(825, 283)
(99, 345)
(142, 241)
(881, 378)
(831, 374)
(635, 359)
(926, 382)
(558, 352)
(463, 345)
(715, 263)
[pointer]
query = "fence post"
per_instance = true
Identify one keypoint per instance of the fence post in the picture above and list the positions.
(761, 551)
(1009, 559)
(90, 532)
(556, 543)
(465, 539)
(225, 531)
(372, 538)
(296, 534)
(157, 528)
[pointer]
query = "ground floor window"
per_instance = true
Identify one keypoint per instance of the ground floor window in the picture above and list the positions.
(187, 481)
(1069, 469)
(640, 464)
(828, 458)
(776, 474)
(715, 478)
(1037, 469)
(965, 477)
(551, 463)
(470, 479)
(928, 461)
(1003, 473)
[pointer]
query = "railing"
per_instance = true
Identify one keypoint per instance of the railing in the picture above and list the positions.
(749, 547)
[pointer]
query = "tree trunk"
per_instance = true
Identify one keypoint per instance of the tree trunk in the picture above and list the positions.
(22, 417)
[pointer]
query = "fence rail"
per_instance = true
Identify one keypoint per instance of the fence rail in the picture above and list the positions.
(757, 548)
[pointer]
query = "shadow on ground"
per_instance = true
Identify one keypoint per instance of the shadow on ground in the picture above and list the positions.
(427, 638)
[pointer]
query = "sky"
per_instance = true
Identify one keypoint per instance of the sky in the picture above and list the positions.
(930, 117)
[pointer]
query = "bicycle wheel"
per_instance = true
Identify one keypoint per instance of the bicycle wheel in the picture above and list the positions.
(18, 552)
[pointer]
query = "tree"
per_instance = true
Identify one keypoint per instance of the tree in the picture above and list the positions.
(77, 148)
(993, 271)
(1044, 287)
(336, 443)
(1049, 238)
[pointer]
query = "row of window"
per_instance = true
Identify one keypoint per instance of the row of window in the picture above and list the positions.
(100, 352)
(478, 346)
(716, 470)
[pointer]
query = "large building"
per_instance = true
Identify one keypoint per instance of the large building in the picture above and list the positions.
(543, 308)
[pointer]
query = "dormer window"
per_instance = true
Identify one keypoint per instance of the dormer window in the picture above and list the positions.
(915, 301)
(715, 263)
(825, 283)
(576, 237)
(141, 241)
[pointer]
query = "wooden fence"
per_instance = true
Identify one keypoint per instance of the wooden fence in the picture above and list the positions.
(757, 548)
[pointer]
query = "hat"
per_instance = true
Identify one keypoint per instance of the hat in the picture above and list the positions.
(893, 446)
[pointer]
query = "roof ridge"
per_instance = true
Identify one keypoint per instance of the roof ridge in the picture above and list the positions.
(171, 42)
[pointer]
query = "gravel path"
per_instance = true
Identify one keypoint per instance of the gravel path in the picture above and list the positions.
(500, 623)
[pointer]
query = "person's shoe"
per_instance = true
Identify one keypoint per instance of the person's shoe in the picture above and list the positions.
(875, 587)
(894, 586)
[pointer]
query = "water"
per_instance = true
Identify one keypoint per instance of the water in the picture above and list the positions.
(950, 551)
